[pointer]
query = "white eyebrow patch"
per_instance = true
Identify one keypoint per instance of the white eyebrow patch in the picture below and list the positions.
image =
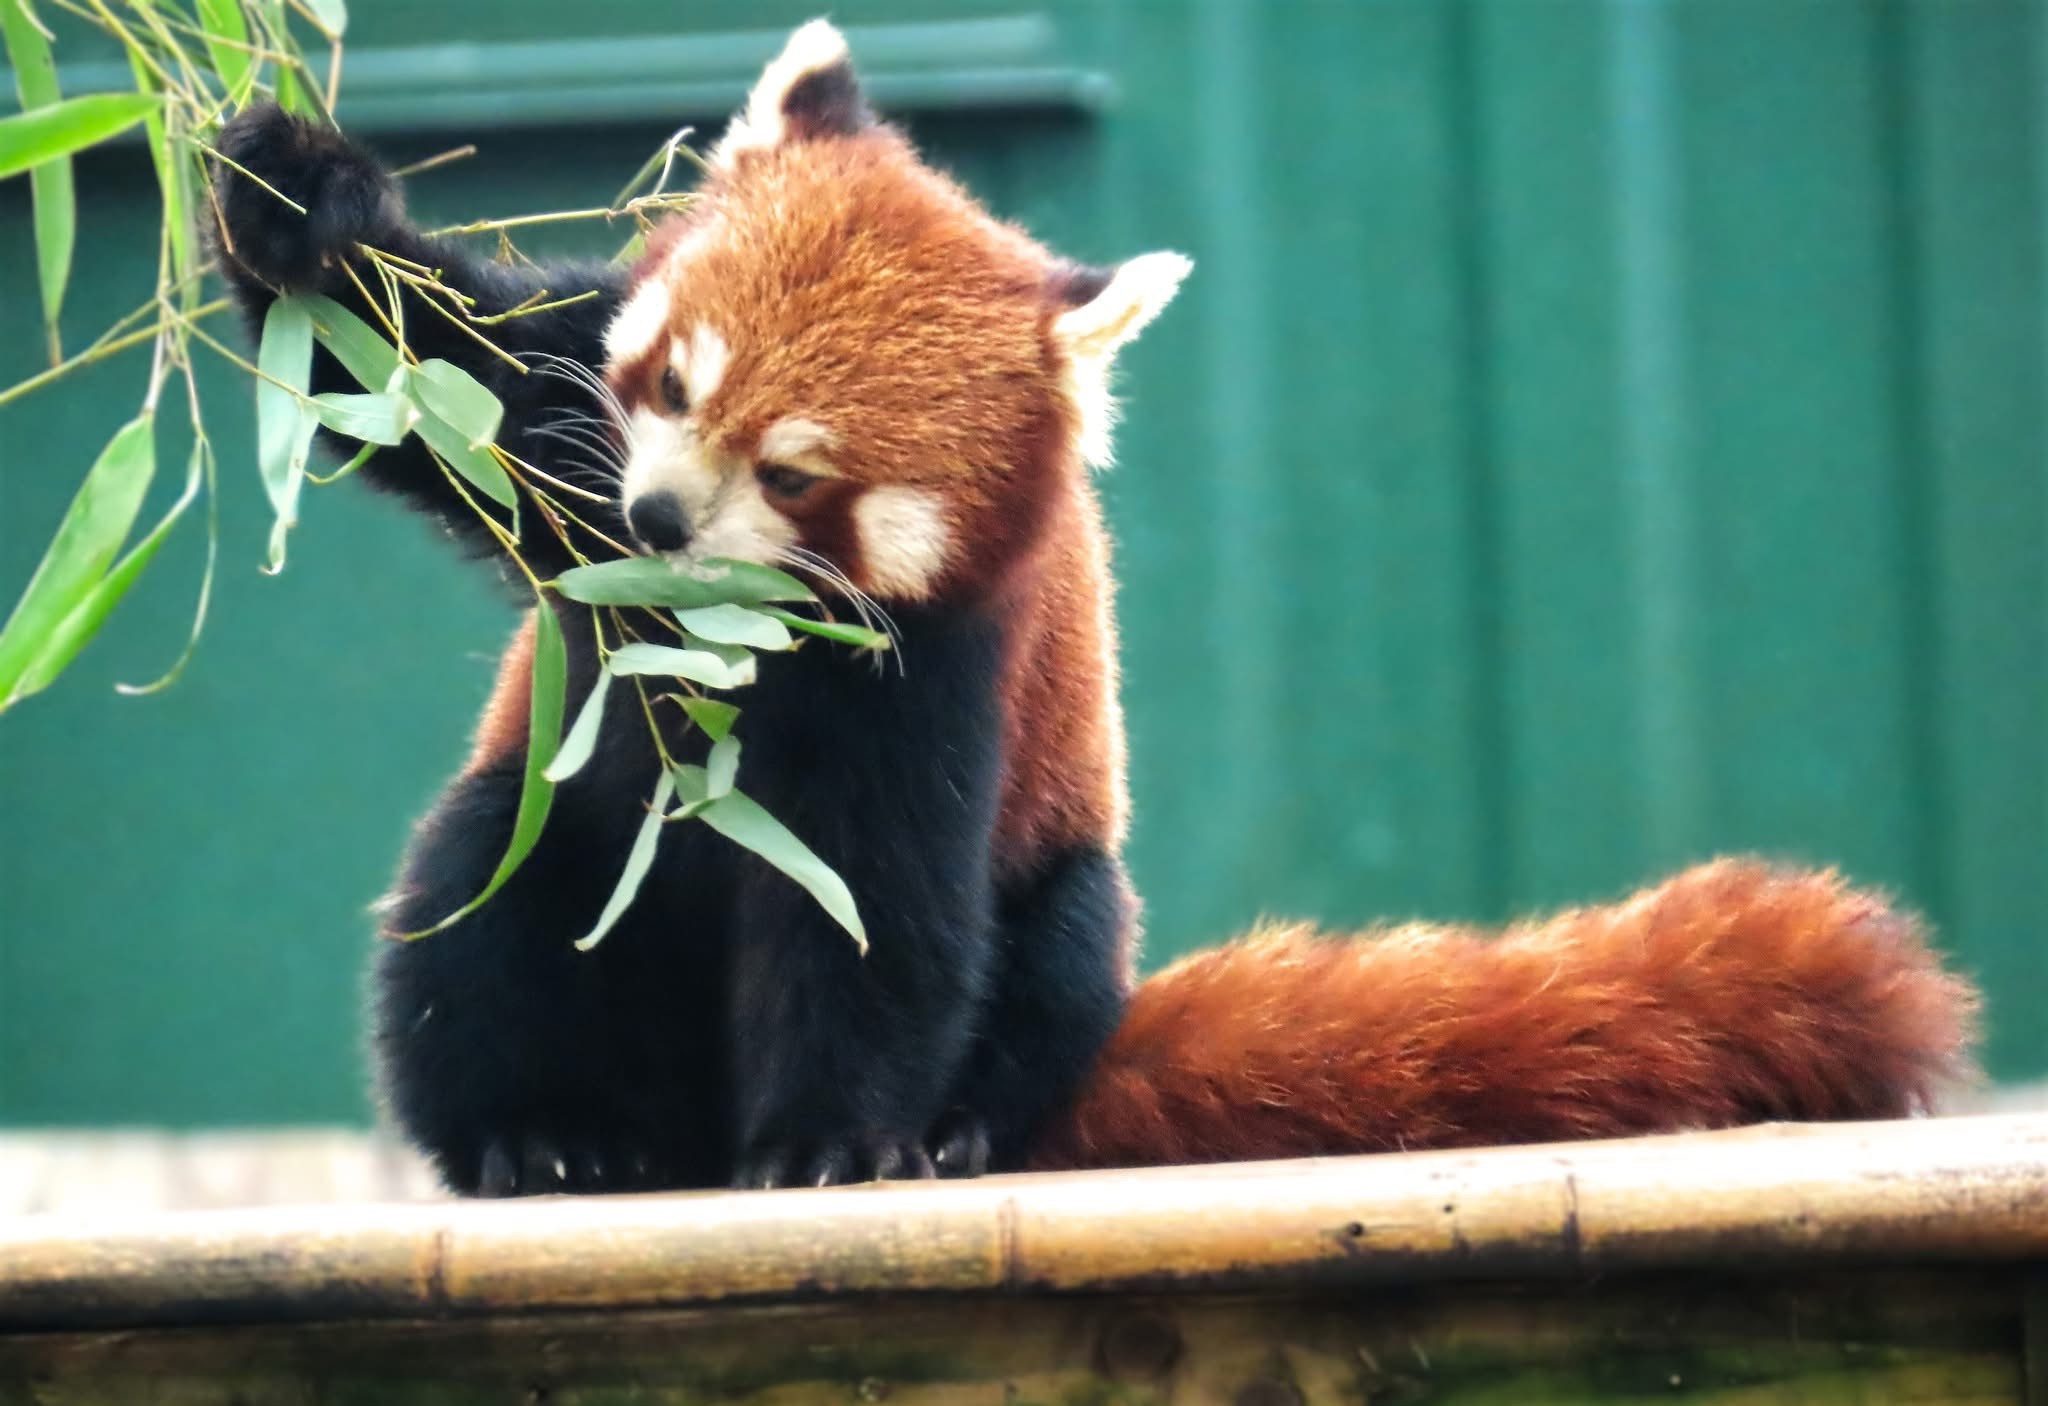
(638, 324)
(702, 363)
(904, 540)
(793, 437)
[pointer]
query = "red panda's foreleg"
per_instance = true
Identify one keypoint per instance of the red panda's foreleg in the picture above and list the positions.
(841, 1061)
(1057, 994)
(351, 202)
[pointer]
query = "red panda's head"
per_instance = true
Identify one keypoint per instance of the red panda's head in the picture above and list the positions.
(836, 352)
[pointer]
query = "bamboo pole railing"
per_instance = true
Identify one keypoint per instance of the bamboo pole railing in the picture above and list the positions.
(1967, 1190)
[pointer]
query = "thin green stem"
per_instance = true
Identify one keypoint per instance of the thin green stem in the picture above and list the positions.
(427, 289)
(518, 221)
(231, 162)
(524, 310)
(99, 351)
(439, 158)
(392, 324)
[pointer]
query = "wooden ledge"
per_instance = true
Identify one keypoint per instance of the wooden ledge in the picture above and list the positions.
(1964, 1190)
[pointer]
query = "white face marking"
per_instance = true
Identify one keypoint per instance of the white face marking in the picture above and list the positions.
(729, 516)
(759, 126)
(1093, 332)
(904, 540)
(703, 362)
(795, 440)
(639, 324)
(662, 453)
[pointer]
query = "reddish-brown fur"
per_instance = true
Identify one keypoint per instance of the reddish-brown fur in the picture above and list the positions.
(502, 728)
(857, 287)
(1733, 993)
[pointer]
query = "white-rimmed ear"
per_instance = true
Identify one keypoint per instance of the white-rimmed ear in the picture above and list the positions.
(1114, 309)
(807, 91)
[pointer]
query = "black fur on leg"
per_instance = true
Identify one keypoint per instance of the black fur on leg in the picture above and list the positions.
(727, 1031)
(350, 201)
(841, 1061)
(519, 1064)
(1057, 997)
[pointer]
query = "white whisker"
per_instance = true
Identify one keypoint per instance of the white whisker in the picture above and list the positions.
(596, 456)
(576, 434)
(866, 608)
(562, 368)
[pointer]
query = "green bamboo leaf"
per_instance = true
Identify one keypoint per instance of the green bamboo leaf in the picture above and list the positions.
(50, 184)
(830, 629)
(473, 461)
(693, 790)
(543, 738)
(56, 218)
(360, 348)
(332, 16)
(374, 362)
(639, 859)
(285, 417)
(291, 94)
(735, 624)
(94, 526)
(173, 171)
(735, 656)
(460, 400)
(652, 581)
(32, 138)
(714, 717)
(696, 665)
(721, 767)
(198, 468)
(737, 817)
(581, 742)
(85, 618)
(374, 418)
(227, 35)
(478, 466)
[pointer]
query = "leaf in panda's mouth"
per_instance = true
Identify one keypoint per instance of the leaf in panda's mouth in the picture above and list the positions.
(651, 581)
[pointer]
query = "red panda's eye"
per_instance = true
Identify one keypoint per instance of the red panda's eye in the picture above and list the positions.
(672, 394)
(781, 481)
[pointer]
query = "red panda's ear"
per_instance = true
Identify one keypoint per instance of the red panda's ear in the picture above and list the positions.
(1076, 285)
(807, 91)
(1106, 308)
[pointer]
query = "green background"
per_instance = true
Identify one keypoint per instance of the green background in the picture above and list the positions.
(1597, 434)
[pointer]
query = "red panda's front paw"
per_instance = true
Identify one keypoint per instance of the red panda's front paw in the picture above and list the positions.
(539, 1165)
(868, 1156)
(959, 1144)
(347, 197)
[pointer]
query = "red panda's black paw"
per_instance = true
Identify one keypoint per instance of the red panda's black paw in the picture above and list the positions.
(959, 1144)
(861, 1157)
(546, 1166)
(347, 197)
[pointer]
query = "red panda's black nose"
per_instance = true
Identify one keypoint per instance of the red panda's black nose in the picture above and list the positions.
(659, 521)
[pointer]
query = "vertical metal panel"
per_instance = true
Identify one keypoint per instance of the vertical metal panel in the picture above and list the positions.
(1648, 402)
(1974, 79)
(1598, 433)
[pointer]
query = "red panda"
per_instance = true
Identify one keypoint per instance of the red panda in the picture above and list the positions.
(835, 361)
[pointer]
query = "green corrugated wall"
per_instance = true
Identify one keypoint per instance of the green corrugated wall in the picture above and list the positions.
(1598, 433)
